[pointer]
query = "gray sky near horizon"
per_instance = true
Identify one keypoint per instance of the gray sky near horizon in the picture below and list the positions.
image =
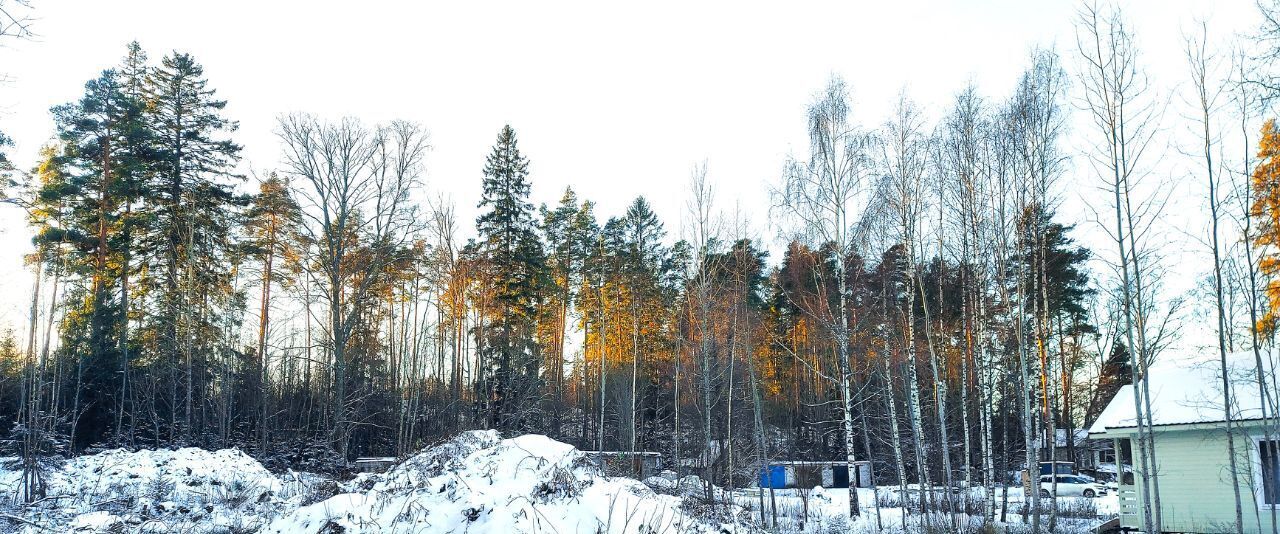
(613, 100)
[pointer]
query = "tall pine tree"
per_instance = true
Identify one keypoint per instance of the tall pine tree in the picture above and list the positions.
(106, 142)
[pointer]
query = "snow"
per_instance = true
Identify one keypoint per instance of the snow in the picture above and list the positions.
(95, 521)
(479, 483)
(187, 489)
(1187, 393)
(828, 510)
(474, 482)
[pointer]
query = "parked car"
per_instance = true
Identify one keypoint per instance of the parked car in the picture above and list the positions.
(1072, 486)
(1108, 481)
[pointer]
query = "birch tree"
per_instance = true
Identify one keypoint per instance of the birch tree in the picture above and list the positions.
(827, 196)
(905, 159)
(1122, 113)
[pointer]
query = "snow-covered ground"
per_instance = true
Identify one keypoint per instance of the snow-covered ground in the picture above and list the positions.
(479, 483)
(184, 490)
(828, 509)
(475, 482)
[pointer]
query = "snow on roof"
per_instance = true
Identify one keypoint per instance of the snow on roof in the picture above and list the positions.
(1060, 436)
(817, 462)
(1188, 392)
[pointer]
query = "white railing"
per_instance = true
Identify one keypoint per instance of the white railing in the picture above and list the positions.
(1129, 506)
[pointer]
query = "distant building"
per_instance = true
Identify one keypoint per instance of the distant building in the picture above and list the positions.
(1080, 449)
(1089, 456)
(1192, 460)
(372, 464)
(801, 474)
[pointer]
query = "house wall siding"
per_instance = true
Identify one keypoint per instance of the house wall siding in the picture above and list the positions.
(1195, 482)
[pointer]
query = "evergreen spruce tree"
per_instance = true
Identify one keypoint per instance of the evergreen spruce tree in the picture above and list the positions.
(133, 74)
(515, 261)
(643, 262)
(194, 217)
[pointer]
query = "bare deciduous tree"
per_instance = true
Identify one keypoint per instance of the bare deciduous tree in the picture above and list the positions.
(355, 191)
(1119, 104)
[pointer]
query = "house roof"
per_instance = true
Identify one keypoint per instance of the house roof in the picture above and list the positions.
(1187, 391)
(1060, 436)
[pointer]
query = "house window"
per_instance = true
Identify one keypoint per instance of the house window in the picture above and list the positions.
(1269, 453)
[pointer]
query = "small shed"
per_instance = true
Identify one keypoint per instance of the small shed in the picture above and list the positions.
(807, 474)
(1057, 468)
(641, 464)
(374, 464)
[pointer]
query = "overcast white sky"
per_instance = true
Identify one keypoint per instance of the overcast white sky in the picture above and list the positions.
(617, 101)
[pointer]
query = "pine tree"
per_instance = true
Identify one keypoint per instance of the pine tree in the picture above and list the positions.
(38, 433)
(515, 261)
(565, 230)
(271, 223)
(592, 304)
(106, 144)
(1065, 278)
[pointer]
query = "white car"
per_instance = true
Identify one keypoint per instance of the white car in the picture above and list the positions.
(1071, 486)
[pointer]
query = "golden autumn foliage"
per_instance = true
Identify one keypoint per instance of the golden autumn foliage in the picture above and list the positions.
(1266, 211)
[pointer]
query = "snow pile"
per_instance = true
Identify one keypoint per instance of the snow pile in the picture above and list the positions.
(427, 464)
(480, 483)
(186, 490)
(476, 482)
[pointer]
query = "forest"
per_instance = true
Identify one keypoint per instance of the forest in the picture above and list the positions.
(926, 305)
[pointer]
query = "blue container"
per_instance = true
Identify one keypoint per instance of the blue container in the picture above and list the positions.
(1061, 468)
(774, 476)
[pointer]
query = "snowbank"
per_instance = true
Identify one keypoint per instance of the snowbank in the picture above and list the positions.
(480, 483)
(187, 489)
(475, 482)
